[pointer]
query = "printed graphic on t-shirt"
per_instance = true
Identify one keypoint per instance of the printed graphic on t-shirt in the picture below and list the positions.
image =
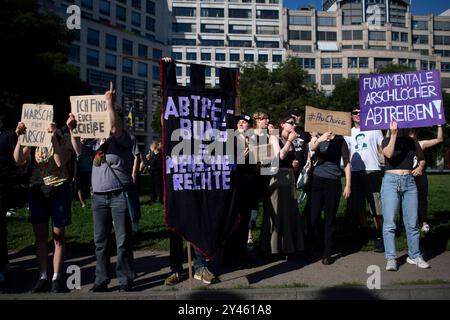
(298, 143)
(360, 144)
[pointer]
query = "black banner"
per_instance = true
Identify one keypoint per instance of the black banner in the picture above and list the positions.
(198, 171)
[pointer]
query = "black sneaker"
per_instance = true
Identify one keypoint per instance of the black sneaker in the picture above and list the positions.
(378, 246)
(57, 286)
(41, 286)
(99, 287)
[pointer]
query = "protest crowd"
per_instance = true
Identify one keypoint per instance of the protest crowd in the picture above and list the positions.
(383, 171)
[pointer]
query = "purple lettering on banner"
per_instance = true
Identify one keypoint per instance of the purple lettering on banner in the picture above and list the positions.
(412, 99)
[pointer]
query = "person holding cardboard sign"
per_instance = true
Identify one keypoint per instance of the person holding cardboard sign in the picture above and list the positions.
(112, 182)
(50, 197)
(399, 187)
(326, 186)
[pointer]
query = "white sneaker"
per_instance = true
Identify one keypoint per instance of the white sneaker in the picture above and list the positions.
(391, 265)
(11, 212)
(425, 227)
(418, 262)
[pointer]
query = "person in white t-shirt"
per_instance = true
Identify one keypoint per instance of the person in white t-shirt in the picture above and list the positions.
(364, 148)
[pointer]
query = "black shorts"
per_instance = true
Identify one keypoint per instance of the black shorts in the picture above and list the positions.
(365, 187)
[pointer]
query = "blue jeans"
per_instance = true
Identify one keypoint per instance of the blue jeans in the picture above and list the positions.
(397, 189)
(106, 209)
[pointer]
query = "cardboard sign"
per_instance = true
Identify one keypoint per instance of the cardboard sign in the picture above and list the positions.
(412, 99)
(319, 120)
(37, 118)
(91, 115)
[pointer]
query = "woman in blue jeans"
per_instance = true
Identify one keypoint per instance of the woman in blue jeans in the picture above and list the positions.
(399, 187)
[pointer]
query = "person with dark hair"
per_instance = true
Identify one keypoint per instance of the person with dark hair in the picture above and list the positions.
(399, 188)
(111, 178)
(50, 197)
(365, 146)
(8, 140)
(326, 187)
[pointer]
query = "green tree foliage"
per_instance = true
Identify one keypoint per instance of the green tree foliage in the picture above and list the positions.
(345, 94)
(33, 62)
(284, 88)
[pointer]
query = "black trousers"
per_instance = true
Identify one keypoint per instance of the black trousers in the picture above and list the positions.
(4, 205)
(325, 194)
(422, 190)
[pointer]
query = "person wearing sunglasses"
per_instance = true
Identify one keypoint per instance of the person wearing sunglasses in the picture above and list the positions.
(365, 148)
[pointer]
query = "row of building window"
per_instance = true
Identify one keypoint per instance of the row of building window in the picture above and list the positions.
(219, 56)
(219, 28)
(220, 13)
(105, 6)
(93, 38)
(221, 43)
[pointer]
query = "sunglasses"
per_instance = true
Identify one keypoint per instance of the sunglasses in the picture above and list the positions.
(290, 122)
(355, 113)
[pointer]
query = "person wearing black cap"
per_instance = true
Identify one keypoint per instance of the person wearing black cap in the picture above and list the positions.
(235, 252)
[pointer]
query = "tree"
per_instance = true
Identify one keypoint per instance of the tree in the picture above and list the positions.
(34, 59)
(345, 94)
(284, 88)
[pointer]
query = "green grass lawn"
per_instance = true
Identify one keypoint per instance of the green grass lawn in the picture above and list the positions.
(154, 234)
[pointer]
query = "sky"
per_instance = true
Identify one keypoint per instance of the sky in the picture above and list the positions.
(419, 7)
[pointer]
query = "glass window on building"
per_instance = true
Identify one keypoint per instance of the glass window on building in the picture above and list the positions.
(212, 12)
(423, 65)
(300, 20)
(150, 7)
(337, 62)
(442, 40)
(183, 27)
(325, 79)
(88, 4)
(240, 29)
(208, 71)
(377, 35)
(276, 57)
(240, 43)
(111, 42)
(177, 55)
(234, 57)
(220, 56)
(363, 62)
(326, 21)
(92, 57)
(294, 35)
(267, 44)
(184, 12)
(212, 43)
(142, 69)
(442, 25)
(325, 63)
(267, 14)
(188, 71)
(183, 42)
(395, 36)
(420, 25)
(136, 4)
(352, 62)
(240, 13)
(249, 57)
(110, 61)
(127, 66)
(211, 28)
(157, 53)
(445, 67)
(404, 37)
(142, 51)
(205, 56)
(136, 19)
(192, 56)
(263, 57)
(296, 48)
(381, 62)
(74, 53)
(93, 37)
(179, 71)
(420, 39)
(155, 73)
(150, 24)
(121, 13)
(127, 47)
(267, 30)
(336, 78)
(357, 35)
(104, 7)
(347, 35)
(326, 36)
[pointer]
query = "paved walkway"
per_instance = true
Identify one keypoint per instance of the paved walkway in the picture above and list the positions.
(285, 279)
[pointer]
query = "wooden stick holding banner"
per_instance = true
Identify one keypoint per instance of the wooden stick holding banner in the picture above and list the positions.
(319, 120)
(91, 115)
(37, 118)
(189, 263)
